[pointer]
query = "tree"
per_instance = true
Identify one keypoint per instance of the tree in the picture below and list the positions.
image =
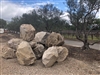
(14, 24)
(2, 23)
(82, 15)
(26, 18)
(34, 19)
(48, 13)
(57, 25)
(47, 18)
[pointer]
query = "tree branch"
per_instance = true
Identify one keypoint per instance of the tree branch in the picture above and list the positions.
(94, 43)
(91, 29)
(79, 38)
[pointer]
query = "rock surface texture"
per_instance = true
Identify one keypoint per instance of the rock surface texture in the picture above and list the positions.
(39, 50)
(53, 54)
(33, 44)
(14, 42)
(27, 32)
(54, 39)
(41, 37)
(8, 53)
(62, 53)
(50, 56)
(24, 54)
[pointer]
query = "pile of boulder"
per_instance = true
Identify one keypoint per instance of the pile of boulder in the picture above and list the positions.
(32, 46)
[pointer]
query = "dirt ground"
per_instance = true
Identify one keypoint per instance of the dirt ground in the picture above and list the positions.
(78, 62)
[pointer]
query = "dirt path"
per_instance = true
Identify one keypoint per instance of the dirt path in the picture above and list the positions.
(79, 44)
(73, 65)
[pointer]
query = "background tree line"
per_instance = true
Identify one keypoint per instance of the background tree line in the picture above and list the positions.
(46, 18)
(2, 23)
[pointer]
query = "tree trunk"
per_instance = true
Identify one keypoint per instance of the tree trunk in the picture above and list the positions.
(86, 45)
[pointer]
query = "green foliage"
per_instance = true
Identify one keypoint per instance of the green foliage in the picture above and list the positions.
(2, 23)
(97, 21)
(14, 24)
(34, 19)
(50, 16)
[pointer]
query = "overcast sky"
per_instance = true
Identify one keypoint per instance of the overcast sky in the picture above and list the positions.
(12, 8)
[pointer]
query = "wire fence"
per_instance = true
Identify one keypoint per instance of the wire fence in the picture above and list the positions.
(71, 33)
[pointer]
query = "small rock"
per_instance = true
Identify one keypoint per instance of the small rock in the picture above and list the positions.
(25, 55)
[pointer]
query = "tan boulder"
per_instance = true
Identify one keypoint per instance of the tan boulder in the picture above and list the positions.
(8, 53)
(25, 55)
(27, 32)
(50, 56)
(54, 39)
(62, 53)
(41, 37)
(14, 42)
(33, 44)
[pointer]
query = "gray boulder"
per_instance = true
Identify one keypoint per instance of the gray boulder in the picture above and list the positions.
(39, 50)
(25, 55)
(54, 39)
(27, 32)
(41, 37)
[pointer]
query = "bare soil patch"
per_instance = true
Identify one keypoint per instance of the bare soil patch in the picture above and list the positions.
(7, 36)
(78, 62)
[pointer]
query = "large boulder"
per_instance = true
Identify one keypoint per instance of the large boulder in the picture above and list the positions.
(14, 42)
(8, 53)
(53, 54)
(27, 32)
(24, 54)
(40, 37)
(39, 50)
(54, 39)
(62, 53)
(50, 56)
